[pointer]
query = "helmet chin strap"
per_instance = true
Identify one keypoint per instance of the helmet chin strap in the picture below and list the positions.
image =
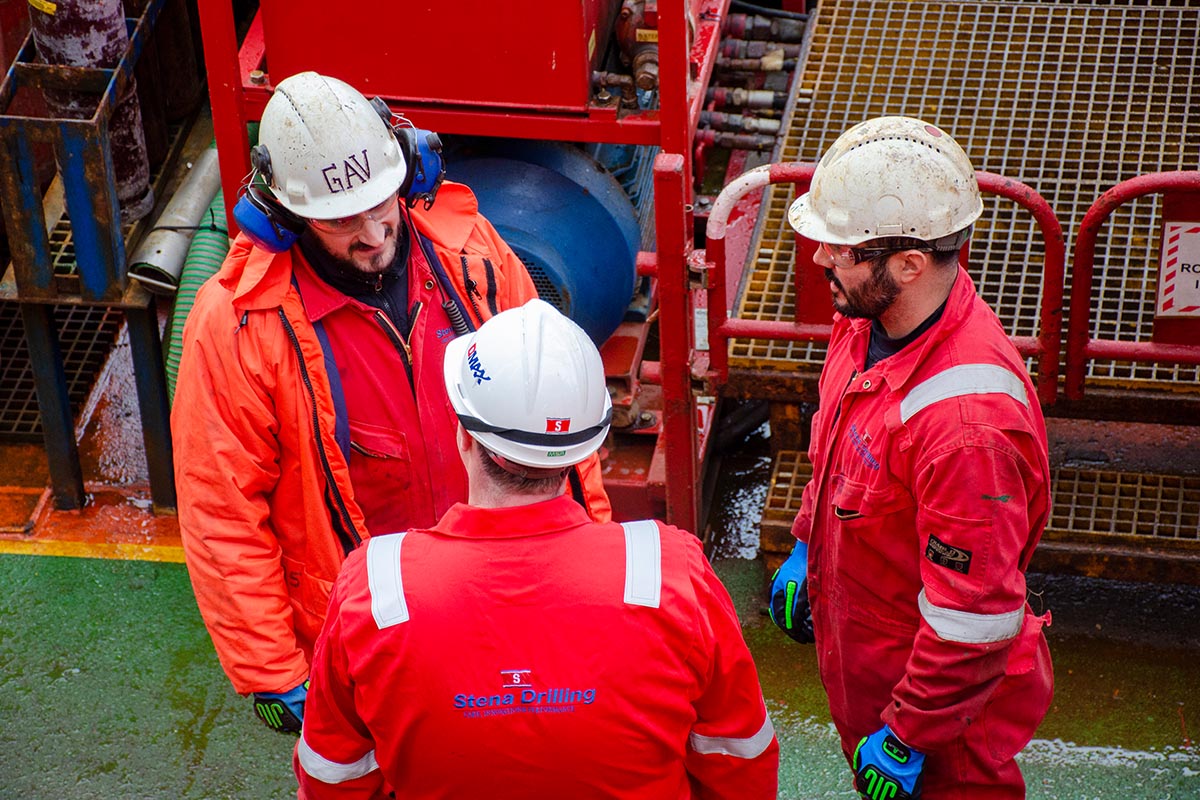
(522, 471)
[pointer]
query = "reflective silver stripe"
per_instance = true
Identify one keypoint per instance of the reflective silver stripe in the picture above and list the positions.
(751, 747)
(963, 626)
(383, 579)
(328, 771)
(643, 563)
(960, 380)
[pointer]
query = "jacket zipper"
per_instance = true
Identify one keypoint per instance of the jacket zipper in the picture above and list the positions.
(399, 342)
(342, 524)
(472, 291)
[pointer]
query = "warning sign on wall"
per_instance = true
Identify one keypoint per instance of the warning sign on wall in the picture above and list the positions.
(1179, 270)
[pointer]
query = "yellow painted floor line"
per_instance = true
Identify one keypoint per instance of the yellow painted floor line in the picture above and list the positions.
(120, 551)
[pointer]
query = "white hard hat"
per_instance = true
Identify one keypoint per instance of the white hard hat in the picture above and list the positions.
(329, 152)
(529, 386)
(889, 177)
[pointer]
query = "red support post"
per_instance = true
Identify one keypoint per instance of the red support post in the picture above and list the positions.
(675, 342)
(226, 100)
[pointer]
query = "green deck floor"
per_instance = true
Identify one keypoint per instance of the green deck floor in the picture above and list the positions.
(109, 688)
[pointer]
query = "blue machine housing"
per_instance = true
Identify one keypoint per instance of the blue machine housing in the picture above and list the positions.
(563, 215)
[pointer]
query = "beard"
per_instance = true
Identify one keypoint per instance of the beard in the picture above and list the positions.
(870, 299)
(354, 262)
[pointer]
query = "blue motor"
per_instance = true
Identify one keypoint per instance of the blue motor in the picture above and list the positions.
(565, 217)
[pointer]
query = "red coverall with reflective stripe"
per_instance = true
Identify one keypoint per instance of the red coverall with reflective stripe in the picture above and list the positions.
(497, 655)
(930, 491)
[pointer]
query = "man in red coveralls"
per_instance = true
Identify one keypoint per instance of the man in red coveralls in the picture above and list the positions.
(518, 649)
(930, 483)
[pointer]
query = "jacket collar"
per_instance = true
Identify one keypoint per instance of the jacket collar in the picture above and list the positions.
(450, 222)
(549, 516)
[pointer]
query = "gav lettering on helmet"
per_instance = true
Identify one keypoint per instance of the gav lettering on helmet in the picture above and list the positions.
(351, 170)
(475, 365)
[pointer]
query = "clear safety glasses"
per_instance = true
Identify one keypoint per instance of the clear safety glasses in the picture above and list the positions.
(845, 256)
(343, 226)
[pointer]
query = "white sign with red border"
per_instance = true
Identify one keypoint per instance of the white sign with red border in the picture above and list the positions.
(1179, 270)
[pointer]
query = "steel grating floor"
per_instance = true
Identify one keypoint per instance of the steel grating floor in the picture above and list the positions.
(1149, 507)
(86, 333)
(1067, 97)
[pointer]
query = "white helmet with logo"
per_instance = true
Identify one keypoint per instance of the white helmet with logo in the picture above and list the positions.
(329, 153)
(890, 177)
(529, 386)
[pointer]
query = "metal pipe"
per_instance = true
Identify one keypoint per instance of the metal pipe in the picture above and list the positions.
(1080, 345)
(158, 260)
(721, 328)
(744, 98)
(92, 33)
(754, 26)
(720, 121)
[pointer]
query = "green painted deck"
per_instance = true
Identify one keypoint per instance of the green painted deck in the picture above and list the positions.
(109, 688)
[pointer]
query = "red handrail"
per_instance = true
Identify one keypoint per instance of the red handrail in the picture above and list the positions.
(1080, 345)
(1045, 346)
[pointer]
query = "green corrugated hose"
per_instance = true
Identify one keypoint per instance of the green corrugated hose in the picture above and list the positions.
(208, 249)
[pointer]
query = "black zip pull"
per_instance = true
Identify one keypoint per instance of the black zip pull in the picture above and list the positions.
(379, 282)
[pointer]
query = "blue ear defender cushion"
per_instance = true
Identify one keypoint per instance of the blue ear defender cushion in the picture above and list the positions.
(422, 154)
(265, 222)
(431, 169)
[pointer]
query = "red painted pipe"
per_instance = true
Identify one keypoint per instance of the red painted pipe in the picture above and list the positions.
(1080, 345)
(1045, 347)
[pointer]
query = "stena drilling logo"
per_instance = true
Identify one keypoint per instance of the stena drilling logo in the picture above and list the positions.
(520, 693)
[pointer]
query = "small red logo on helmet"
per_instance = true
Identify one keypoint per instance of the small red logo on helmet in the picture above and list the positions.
(558, 425)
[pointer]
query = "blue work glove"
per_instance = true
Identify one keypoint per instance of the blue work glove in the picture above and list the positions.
(885, 768)
(282, 712)
(789, 597)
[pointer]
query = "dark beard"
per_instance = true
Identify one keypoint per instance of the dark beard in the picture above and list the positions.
(342, 274)
(871, 299)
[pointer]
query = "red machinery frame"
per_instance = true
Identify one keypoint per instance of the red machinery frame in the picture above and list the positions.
(721, 328)
(239, 89)
(1080, 345)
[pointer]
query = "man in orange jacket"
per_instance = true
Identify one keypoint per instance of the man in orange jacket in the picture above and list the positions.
(517, 648)
(310, 411)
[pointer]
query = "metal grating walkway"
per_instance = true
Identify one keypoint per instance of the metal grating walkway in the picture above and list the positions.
(1068, 97)
(1146, 507)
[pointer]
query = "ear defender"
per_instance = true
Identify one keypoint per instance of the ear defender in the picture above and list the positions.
(265, 222)
(422, 154)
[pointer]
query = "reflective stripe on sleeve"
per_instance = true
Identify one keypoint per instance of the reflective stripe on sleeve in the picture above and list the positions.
(388, 605)
(963, 626)
(328, 771)
(960, 380)
(643, 563)
(750, 747)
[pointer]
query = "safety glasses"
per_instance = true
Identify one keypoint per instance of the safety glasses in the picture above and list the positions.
(344, 226)
(845, 256)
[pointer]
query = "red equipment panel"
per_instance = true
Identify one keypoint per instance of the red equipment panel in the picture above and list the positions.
(519, 53)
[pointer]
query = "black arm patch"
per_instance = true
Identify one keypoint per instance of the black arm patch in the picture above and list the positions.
(948, 556)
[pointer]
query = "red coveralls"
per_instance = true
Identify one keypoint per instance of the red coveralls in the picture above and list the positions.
(930, 491)
(268, 502)
(528, 652)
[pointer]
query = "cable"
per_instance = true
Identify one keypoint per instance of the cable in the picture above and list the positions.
(767, 12)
